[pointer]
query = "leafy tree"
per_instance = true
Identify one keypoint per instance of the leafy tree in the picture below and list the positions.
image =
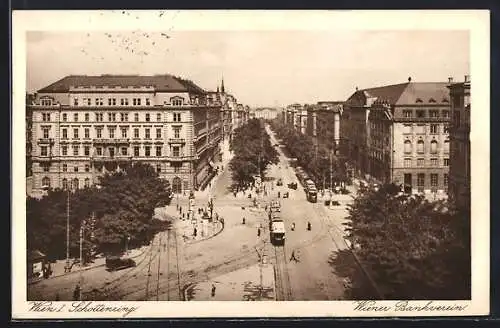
(412, 248)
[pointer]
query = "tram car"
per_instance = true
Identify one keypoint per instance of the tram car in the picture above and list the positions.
(277, 232)
(115, 263)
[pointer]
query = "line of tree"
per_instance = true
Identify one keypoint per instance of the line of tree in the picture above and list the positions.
(253, 152)
(409, 247)
(317, 160)
(123, 206)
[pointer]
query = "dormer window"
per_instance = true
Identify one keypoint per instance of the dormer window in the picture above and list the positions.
(432, 100)
(46, 102)
(176, 101)
(418, 100)
(445, 100)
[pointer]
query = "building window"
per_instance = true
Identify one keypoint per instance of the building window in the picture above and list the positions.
(87, 168)
(158, 168)
(136, 117)
(434, 180)
(75, 134)
(147, 117)
(148, 102)
(76, 149)
(420, 179)
(136, 133)
(177, 132)
(87, 117)
(434, 128)
(158, 133)
(65, 183)
(111, 132)
(86, 150)
(420, 146)
(64, 150)
(111, 151)
(407, 128)
(65, 167)
(158, 117)
(407, 114)
(125, 117)
(177, 168)
(434, 162)
(147, 133)
(98, 151)
(75, 117)
(46, 182)
(138, 101)
(89, 101)
(46, 133)
(445, 179)
(75, 169)
(407, 146)
(86, 132)
(420, 113)
(407, 162)
(177, 117)
(75, 101)
(46, 102)
(420, 162)
(446, 146)
(43, 151)
(98, 117)
(124, 133)
(433, 113)
(158, 151)
(98, 132)
(64, 117)
(87, 182)
(65, 133)
(176, 151)
(147, 151)
(177, 102)
(446, 162)
(124, 151)
(446, 113)
(434, 147)
(446, 128)
(46, 168)
(76, 183)
(136, 151)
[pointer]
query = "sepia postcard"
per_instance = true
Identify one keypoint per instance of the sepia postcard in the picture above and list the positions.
(229, 163)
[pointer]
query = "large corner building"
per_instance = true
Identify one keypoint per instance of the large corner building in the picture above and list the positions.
(85, 126)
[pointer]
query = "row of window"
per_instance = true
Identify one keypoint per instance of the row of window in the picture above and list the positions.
(111, 151)
(421, 128)
(408, 162)
(111, 133)
(422, 113)
(434, 179)
(408, 146)
(111, 117)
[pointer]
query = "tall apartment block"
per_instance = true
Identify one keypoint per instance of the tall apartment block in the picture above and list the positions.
(399, 133)
(85, 126)
(459, 186)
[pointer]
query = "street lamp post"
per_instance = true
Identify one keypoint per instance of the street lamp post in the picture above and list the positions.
(127, 240)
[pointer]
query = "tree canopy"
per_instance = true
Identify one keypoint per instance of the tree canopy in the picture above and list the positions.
(123, 206)
(253, 152)
(412, 248)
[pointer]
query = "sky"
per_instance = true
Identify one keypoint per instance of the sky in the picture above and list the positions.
(260, 68)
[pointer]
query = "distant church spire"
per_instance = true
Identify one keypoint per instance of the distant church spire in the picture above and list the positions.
(222, 85)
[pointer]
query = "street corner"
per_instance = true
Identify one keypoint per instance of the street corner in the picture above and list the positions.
(255, 283)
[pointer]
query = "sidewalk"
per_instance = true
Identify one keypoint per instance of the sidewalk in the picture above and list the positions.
(241, 285)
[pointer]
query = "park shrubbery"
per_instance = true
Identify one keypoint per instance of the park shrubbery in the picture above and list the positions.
(410, 247)
(123, 206)
(251, 146)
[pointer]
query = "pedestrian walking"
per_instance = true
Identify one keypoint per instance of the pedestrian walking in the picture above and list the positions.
(309, 226)
(243, 220)
(293, 226)
(195, 232)
(76, 293)
(292, 257)
(258, 232)
(279, 194)
(213, 290)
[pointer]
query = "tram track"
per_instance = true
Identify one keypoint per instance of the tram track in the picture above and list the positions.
(282, 277)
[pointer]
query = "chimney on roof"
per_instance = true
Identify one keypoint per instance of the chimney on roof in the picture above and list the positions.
(467, 78)
(450, 80)
(409, 79)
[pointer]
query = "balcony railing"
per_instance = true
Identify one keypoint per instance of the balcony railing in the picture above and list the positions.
(107, 158)
(111, 141)
(176, 141)
(47, 158)
(49, 141)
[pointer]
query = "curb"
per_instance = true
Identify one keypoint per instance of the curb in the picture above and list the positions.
(207, 238)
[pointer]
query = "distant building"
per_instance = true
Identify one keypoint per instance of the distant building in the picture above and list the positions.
(323, 123)
(399, 133)
(459, 184)
(85, 126)
(264, 113)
